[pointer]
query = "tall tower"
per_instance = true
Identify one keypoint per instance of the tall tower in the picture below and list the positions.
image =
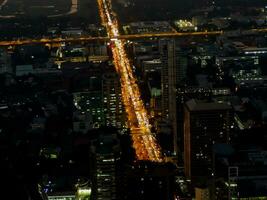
(205, 123)
(168, 84)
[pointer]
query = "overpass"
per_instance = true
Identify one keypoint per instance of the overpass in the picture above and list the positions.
(126, 37)
(107, 38)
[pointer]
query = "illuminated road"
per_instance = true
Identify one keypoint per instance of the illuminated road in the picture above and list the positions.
(126, 37)
(85, 39)
(144, 143)
(50, 40)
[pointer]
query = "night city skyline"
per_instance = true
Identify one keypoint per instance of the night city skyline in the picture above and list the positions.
(133, 99)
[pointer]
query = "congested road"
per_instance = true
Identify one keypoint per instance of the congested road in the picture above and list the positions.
(144, 142)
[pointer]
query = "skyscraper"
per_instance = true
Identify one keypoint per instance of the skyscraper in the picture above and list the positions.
(112, 100)
(205, 123)
(89, 99)
(168, 84)
(181, 63)
(147, 180)
(99, 96)
(106, 154)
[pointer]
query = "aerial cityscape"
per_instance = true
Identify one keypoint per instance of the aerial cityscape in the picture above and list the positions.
(133, 99)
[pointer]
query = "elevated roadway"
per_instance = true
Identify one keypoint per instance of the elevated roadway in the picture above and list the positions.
(88, 38)
(126, 37)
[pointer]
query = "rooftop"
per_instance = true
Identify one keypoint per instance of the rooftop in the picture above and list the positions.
(194, 105)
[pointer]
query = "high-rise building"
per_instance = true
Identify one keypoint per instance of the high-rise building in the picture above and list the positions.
(168, 84)
(181, 63)
(106, 155)
(113, 108)
(205, 123)
(98, 94)
(146, 180)
(91, 102)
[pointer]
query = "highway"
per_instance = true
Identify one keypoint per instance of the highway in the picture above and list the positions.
(89, 38)
(50, 40)
(144, 142)
(126, 37)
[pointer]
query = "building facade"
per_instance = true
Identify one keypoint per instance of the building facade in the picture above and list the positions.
(205, 124)
(168, 84)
